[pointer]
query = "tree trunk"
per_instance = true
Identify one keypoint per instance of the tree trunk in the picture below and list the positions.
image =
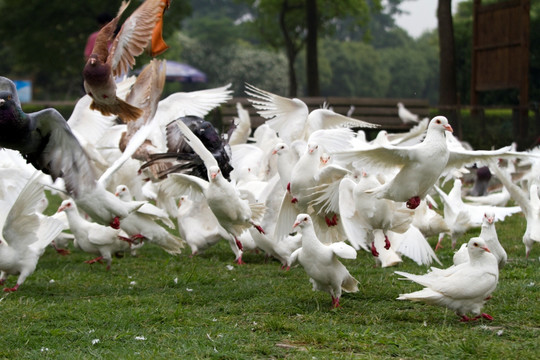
(312, 64)
(447, 67)
(290, 51)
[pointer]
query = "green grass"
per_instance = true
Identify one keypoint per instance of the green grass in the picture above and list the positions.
(197, 308)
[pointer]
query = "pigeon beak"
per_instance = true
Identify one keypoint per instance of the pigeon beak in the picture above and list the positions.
(274, 152)
(60, 209)
(296, 224)
(2, 101)
(448, 128)
(486, 249)
(490, 220)
(213, 175)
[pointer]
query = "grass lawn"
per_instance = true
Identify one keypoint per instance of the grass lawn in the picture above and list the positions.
(156, 306)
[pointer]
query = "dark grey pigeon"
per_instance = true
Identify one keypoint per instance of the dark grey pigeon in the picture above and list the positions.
(181, 157)
(45, 140)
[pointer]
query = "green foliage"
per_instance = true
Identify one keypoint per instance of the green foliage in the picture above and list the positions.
(158, 306)
(45, 40)
(237, 63)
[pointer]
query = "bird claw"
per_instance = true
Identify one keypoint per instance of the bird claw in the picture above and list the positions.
(386, 243)
(374, 251)
(13, 289)
(239, 261)
(487, 316)
(115, 223)
(335, 302)
(92, 261)
(259, 228)
(413, 202)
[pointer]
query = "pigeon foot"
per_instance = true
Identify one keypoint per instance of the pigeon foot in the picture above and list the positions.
(98, 259)
(386, 243)
(374, 251)
(13, 289)
(115, 223)
(413, 202)
(335, 302)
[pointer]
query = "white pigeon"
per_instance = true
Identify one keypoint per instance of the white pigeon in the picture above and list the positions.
(489, 234)
(25, 234)
(463, 288)
(314, 186)
(405, 115)
(291, 118)
(94, 238)
(321, 262)
(460, 216)
(499, 198)
(358, 208)
(242, 126)
(428, 221)
(233, 213)
(199, 227)
(142, 224)
(529, 204)
(420, 166)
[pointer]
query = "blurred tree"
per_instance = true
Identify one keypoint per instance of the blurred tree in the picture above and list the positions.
(447, 84)
(356, 70)
(45, 39)
(285, 24)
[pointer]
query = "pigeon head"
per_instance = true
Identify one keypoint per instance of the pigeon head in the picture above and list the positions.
(280, 149)
(213, 173)
(477, 246)
(67, 205)
(122, 192)
(489, 218)
(6, 99)
(440, 122)
(302, 220)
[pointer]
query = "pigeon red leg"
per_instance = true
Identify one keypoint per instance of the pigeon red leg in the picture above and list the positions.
(335, 302)
(61, 251)
(13, 289)
(259, 228)
(239, 261)
(115, 223)
(413, 202)
(465, 318)
(98, 259)
(374, 251)
(239, 244)
(386, 243)
(487, 316)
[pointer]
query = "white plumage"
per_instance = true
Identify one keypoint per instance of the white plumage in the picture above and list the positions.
(463, 288)
(321, 262)
(25, 235)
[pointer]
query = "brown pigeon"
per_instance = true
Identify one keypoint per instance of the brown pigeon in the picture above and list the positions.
(141, 29)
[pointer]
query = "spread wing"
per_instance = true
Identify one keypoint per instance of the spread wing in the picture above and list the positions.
(134, 36)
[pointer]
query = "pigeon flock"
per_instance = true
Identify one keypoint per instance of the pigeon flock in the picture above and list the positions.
(304, 187)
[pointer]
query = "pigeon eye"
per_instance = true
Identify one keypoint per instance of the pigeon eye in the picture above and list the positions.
(475, 244)
(9, 97)
(438, 121)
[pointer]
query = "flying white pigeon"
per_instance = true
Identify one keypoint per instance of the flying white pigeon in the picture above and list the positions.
(321, 262)
(405, 115)
(421, 165)
(291, 117)
(25, 234)
(463, 288)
